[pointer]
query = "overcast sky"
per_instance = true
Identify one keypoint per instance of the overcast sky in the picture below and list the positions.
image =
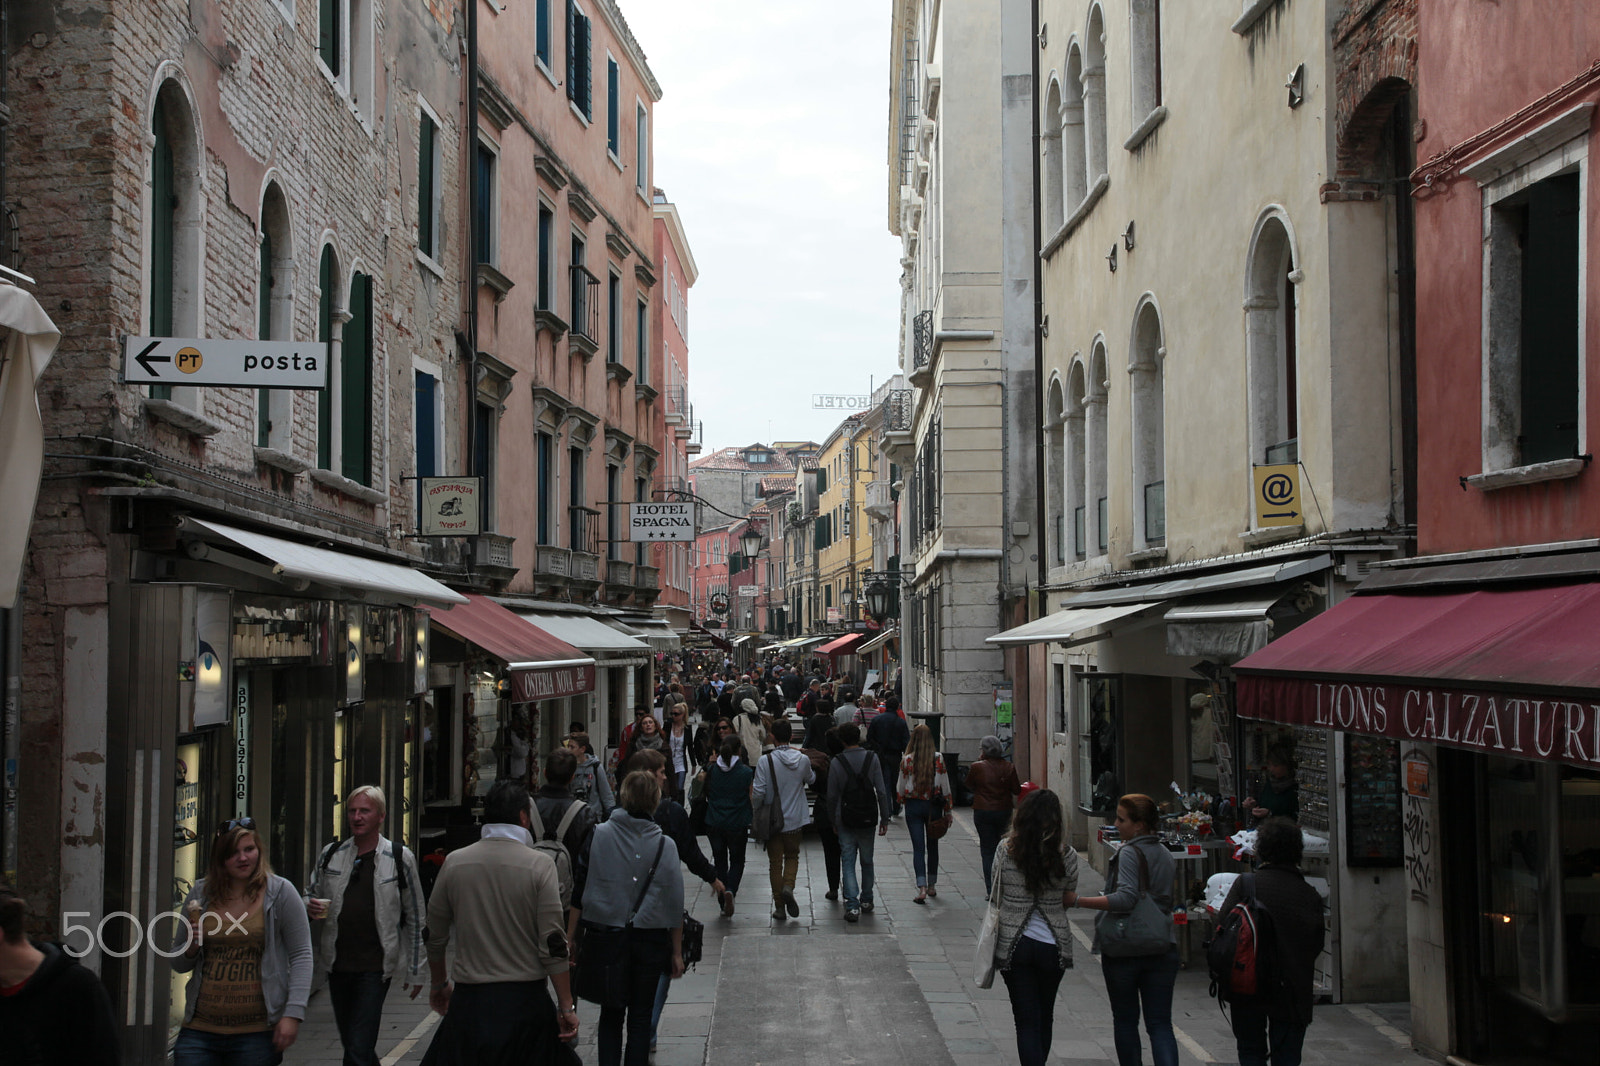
(771, 139)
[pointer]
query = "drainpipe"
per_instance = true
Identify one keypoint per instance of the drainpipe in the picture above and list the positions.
(11, 656)
(471, 407)
(1043, 539)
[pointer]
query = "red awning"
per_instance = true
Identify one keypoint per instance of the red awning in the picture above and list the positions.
(541, 666)
(1508, 671)
(844, 645)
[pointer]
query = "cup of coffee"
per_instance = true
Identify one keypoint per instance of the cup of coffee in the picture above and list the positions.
(316, 907)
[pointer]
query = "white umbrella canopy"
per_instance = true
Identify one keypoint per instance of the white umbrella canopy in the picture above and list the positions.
(27, 341)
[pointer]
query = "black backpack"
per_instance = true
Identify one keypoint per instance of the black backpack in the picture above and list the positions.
(858, 804)
(1243, 956)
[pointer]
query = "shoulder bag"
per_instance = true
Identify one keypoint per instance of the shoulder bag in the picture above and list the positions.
(939, 825)
(599, 974)
(768, 816)
(1144, 930)
(983, 960)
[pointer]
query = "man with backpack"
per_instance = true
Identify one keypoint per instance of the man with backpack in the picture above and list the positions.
(1266, 947)
(367, 894)
(561, 823)
(857, 800)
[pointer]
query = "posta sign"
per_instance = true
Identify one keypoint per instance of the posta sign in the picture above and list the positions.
(1557, 728)
(551, 684)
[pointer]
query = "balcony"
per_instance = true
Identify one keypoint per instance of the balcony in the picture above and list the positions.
(491, 557)
(562, 568)
(921, 343)
(619, 575)
(585, 326)
(646, 585)
(880, 500)
(678, 411)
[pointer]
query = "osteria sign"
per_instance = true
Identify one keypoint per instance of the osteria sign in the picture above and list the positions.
(1518, 724)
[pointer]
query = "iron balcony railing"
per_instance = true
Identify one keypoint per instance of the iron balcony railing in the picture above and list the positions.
(921, 339)
(899, 410)
(584, 529)
(585, 304)
(678, 408)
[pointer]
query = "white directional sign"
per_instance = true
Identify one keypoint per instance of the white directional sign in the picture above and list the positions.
(253, 364)
(661, 521)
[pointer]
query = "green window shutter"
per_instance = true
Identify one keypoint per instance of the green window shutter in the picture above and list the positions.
(586, 66)
(572, 51)
(425, 137)
(355, 376)
(325, 334)
(163, 225)
(328, 34)
(264, 332)
(613, 120)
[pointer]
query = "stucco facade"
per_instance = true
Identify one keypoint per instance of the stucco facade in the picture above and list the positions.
(672, 420)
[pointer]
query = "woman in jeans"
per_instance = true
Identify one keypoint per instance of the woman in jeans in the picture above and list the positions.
(1037, 872)
(247, 946)
(728, 813)
(994, 787)
(643, 933)
(1141, 979)
(921, 776)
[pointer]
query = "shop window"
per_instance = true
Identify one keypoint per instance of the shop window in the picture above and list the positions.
(1099, 700)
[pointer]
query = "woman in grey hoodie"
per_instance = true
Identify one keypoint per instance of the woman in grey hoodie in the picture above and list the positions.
(590, 782)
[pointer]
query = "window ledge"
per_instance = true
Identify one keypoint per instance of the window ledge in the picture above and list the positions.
(645, 392)
(1146, 128)
(281, 460)
(1526, 475)
(1251, 15)
(488, 275)
(345, 487)
(576, 110)
(1255, 538)
(544, 68)
(584, 346)
(174, 414)
(1157, 554)
(611, 154)
(616, 371)
(1074, 220)
(544, 318)
(431, 264)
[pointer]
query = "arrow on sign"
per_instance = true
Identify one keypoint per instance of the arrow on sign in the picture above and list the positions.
(144, 358)
(1283, 514)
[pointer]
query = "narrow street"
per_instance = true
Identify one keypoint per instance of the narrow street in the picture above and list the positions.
(894, 990)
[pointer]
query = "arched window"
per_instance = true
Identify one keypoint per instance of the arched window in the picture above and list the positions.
(1076, 463)
(275, 314)
(1094, 95)
(1097, 491)
(356, 382)
(1055, 473)
(1144, 57)
(1050, 123)
(1074, 155)
(1147, 371)
(1270, 339)
(174, 218)
(329, 318)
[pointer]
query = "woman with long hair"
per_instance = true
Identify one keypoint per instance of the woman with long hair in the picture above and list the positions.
(640, 932)
(681, 758)
(247, 943)
(924, 789)
(1139, 979)
(1035, 872)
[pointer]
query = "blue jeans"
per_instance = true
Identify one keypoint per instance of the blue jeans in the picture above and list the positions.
(358, 1012)
(991, 826)
(1250, 1029)
(197, 1048)
(924, 849)
(853, 843)
(1033, 980)
(1146, 979)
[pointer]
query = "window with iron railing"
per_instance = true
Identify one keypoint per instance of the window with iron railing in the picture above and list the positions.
(921, 339)
(585, 529)
(585, 304)
(898, 408)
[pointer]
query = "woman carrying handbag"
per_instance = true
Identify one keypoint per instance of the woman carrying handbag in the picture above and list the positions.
(1035, 873)
(1136, 939)
(925, 791)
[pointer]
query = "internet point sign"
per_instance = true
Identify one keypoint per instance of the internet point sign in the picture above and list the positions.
(661, 521)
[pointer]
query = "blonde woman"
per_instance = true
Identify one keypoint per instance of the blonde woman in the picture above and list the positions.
(924, 789)
(250, 957)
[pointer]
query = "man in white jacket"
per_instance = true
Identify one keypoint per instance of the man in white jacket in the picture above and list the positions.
(784, 774)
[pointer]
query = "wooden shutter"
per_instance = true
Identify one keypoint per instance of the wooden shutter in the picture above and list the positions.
(355, 376)
(264, 332)
(585, 66)
(325, 334)
(572, 51)
(425, 178)
(613, 102)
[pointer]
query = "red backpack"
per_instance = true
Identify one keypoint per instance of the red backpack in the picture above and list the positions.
(1243, 954)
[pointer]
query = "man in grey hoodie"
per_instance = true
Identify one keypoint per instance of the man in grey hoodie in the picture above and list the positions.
(783, 774)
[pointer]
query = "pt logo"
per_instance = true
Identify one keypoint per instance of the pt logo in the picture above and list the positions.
(189, 360)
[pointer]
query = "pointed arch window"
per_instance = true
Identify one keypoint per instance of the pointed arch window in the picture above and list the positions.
(1055, 477)
(1076, 464)
(1271, 345)
(1144, 57)
(356, 381)
(275, 314)
(1098, 489)
(327, 334)
(1054, 176)
(1094, 95)
(1074, 150)
(174, 221)
(1147, 369)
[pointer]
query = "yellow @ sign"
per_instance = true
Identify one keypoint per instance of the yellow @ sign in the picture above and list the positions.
(1277, 495)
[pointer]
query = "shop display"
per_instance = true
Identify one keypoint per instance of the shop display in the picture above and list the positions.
(1311, 774)
(1372, 801)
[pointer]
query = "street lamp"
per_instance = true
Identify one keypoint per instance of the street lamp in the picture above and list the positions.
(879, 594)
(750, 542)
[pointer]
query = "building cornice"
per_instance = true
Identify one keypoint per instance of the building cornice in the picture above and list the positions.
(668, 214)
(619, 29)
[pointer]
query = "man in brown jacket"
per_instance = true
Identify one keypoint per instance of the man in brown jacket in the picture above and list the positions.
(503, 900)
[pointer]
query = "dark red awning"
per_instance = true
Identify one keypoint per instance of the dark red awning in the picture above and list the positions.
(1508, 671)
(541, 666)
(843, 645)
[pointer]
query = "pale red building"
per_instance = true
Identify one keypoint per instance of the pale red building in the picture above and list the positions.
(674, 429)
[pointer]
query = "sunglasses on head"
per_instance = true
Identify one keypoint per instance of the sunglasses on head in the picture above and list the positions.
(236, 823)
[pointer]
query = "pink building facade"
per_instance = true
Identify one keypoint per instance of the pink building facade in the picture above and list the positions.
(673, 424)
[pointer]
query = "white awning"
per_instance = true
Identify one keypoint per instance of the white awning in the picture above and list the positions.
(587, 632)
(656, 633)
(1074, 625)
(30, 341)
(1199, 584)
(305, 562)
(878, 641)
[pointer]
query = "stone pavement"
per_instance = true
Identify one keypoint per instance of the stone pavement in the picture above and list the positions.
(894, 989)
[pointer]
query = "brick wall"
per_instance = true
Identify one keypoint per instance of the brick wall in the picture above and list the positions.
(1375, 63)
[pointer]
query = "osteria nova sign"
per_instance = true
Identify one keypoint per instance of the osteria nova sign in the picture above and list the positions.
(1563, 729)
